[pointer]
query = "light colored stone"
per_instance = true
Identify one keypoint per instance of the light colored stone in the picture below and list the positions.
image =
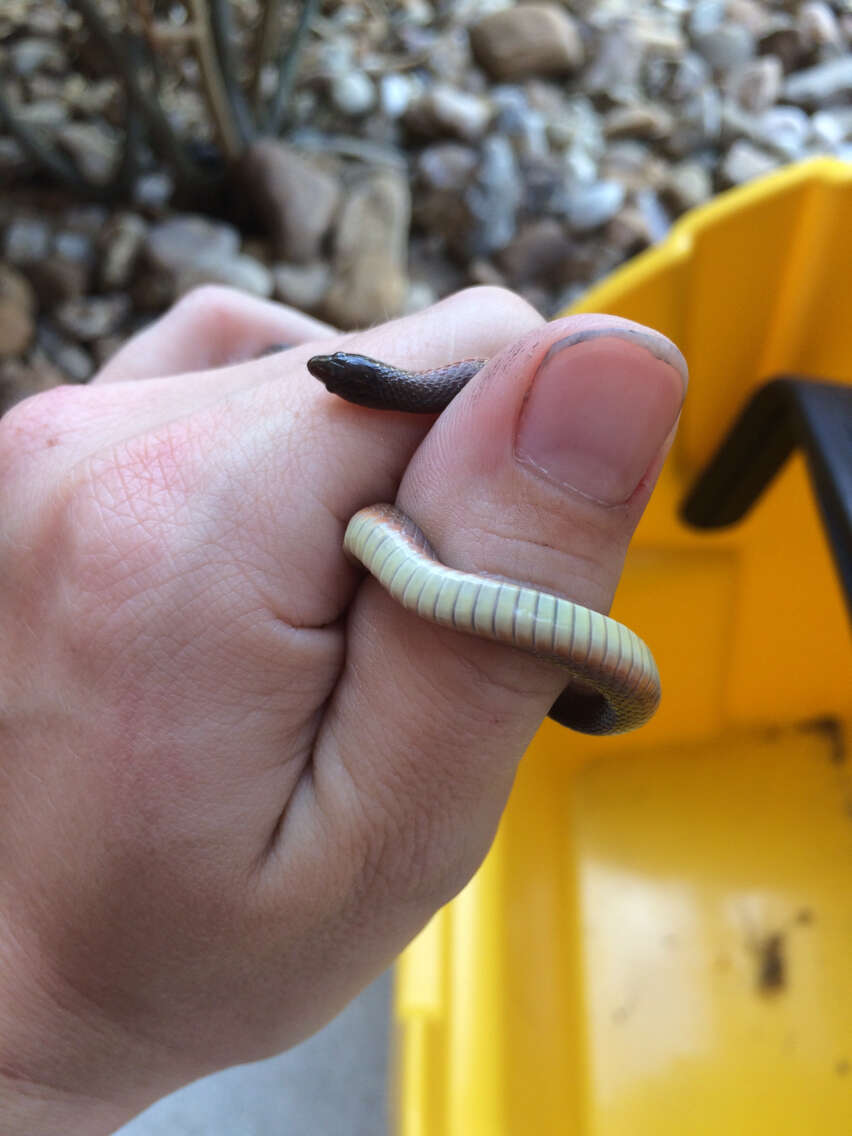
(370, 282)
(120, 244)
(744, 161)
(688, 184)
(757, 84)
(27, 240)
(353, 93)
(184, 239)
(33, 54)
(818, 26)
(75, 363)
(93, 146)
(822, 83)
(92, 317)
(17, 312)
(494, 197)
(241, 272)
(446, 111)
(591, 206)
(527, 40)
(295, 199)
(649, 121)
(303, 286)
(726, 47)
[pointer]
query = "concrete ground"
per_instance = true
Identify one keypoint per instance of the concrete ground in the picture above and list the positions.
(332, 1085)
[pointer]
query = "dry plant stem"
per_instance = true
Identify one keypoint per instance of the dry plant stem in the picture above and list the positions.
(216, 94)
(289, 64)
(222, 32)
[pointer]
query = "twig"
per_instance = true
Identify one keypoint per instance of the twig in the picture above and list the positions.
(287, 71)
(220, 27)
(215, 88)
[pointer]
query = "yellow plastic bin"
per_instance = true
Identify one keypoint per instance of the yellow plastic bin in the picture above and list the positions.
(661, 939)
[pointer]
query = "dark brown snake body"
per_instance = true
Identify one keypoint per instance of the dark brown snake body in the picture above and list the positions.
(615, 684)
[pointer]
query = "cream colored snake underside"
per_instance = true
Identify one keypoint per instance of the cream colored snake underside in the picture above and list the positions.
(615, 687)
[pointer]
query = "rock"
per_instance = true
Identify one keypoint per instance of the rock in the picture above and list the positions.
(17, 312)
(152, 192)
(744, 161)
(633, 165)
(444, 111)
(92, 317)
(648, 121)
(591, 206)
(303, 286)
(74, 246)
(352, 93)
(705, 17)
(93, 147)
(444, 173)
(688, 184)
(698, 124)
(616, 67)
(524, 124)
(396, 92)
(420, 295)
(784, 130)
(818, 27)
(821, 84)
(120, 245)
(186, 238)
(32, 54)
(785, 43)
(242, 272)
(13, 161)
(726, 47)
(296, 200)
(831, 127)
(757, 84)
(527, 40)
(370, 282)
(691, 75)
(539, 252)
(27, 240)
(628, 231)
(73, 361)
(655, 219)
(752, 14)
(494, 197)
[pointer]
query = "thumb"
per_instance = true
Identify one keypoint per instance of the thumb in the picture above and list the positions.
(537, 472)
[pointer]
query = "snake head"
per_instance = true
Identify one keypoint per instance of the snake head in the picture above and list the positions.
(355, 378)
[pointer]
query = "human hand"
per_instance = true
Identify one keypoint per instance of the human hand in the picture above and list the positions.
(236, 778)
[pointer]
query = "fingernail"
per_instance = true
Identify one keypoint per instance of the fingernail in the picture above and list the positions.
(600, 407)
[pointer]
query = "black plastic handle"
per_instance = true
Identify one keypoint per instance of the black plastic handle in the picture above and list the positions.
(788, 411)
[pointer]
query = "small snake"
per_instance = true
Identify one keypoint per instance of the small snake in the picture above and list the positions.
(615, 685)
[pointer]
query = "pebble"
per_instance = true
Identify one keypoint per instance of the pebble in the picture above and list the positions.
(396, 93)
(649, 121)
(527, 40)
(295, 199)
(494, 197)
(17, 312)
(75, 363)
(688, 184)
(784, 130)
(57, 278)
(92, 317)
(94, 148)
(831, 127)
(823, 83)
(818, 27)
(757, 84)
(539, 252)
(242, 272)
(33, 53)
(369, 268)
(27, 240)
(303, 286)
(726, 47)
(184, 239)
(744, 161)
(445, 111)
(591, 206)
(120, 245)
(353, 93)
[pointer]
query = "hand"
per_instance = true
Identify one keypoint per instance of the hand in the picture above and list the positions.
(235, 777)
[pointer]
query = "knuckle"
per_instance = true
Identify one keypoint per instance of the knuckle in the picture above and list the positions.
(501, 301)
(207, 306)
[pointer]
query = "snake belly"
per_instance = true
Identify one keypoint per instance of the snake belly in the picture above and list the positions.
(615, 685)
